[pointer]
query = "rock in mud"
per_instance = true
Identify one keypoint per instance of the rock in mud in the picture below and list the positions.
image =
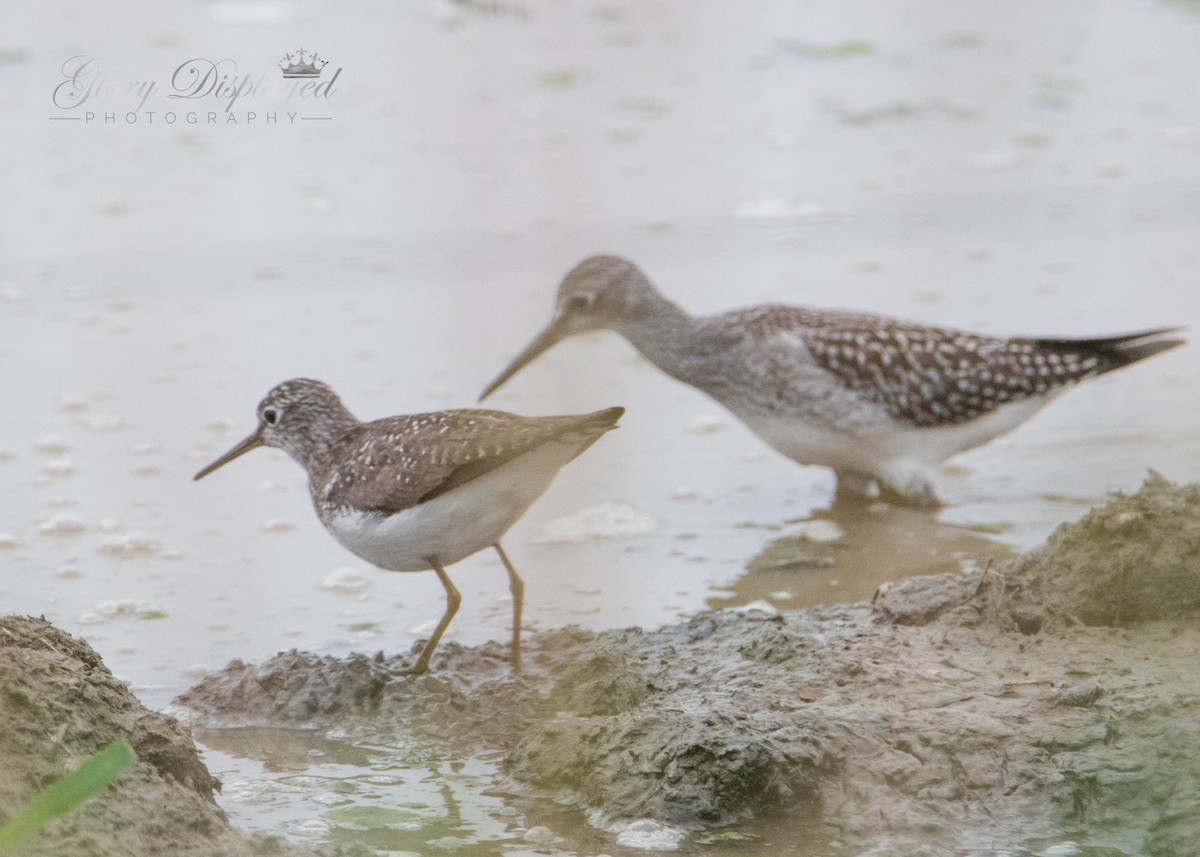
(59, 704)
(1053, 696)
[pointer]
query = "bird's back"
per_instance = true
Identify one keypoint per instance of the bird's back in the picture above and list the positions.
(920, 375)
(398, 462)
(447, 484)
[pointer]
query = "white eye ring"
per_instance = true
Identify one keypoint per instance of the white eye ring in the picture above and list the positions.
(270, 416)
(581, 302)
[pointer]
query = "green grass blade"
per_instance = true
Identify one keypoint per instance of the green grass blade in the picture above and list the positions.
(67, 792)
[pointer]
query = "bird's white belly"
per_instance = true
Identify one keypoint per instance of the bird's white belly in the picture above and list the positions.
(456, 524)
(886, 448)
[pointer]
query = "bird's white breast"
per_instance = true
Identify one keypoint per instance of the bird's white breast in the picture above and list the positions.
(456, 524)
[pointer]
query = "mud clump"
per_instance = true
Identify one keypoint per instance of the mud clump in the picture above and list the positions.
(59, 704)
(1053, 696)
(1134, 560)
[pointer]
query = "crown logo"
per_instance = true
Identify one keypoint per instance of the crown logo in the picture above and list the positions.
(302, 64)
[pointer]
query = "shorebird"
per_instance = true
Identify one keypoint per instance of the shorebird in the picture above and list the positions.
(420, 492)
(881, 401)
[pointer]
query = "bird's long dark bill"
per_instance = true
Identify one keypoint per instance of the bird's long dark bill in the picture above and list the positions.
(252, 442)
(543, 341)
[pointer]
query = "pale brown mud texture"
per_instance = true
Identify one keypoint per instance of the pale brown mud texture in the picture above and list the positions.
(1056, 696)
(59, 704)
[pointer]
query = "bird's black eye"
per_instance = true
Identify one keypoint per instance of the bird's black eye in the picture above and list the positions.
(581, 302)
(270, 416)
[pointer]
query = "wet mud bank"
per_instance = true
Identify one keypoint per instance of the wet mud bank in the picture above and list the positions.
(59, 704)
(1055, 696)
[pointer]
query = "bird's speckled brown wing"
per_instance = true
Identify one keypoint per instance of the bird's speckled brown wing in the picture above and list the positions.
(929, 376)
(398, 462)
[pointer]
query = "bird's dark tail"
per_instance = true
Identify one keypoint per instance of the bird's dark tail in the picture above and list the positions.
(607, 418)
(596, 424)
(1113, 352)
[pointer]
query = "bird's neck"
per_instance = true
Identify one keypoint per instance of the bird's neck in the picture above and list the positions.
(314, 448)
(661, 330)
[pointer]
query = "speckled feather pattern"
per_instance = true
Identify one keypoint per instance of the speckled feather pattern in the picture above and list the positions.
(397, 462)
(420, 492)
(921, 375)
(829, 365)
(868, 395)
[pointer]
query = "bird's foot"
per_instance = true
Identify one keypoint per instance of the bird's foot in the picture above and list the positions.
(901, 489)
(921, 497)
(420, 666)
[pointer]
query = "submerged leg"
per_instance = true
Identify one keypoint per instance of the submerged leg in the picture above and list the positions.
(908, 485)
(900, 484)
(517, 587)
(856, 482)
(920, 496)
(453, 599)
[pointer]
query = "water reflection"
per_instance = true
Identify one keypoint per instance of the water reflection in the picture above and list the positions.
(417, 799)
(397, 799)
(844, 553)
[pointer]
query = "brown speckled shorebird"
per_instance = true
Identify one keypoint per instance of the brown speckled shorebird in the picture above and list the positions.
(420, 492)
(881, 401)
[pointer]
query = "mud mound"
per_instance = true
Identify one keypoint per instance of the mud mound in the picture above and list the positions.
(693, 742)
(1135, 559)
(59, 704)
(920, 738)
(370, 696)
(956, 712)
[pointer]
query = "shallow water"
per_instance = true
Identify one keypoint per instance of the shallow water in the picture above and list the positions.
(340, 791)
(1008, 169)
(415, 800)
